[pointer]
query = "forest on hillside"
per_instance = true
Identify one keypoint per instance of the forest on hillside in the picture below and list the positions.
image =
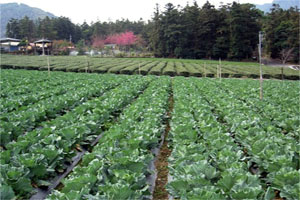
(228, 32)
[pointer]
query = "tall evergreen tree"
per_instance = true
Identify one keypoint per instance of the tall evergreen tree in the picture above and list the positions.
(222, 44)
(45, 28)
(282, 32)
(27, 28)
(208, 31)
(63, 27)
(244, 28)
(190, 41)
(13, 29)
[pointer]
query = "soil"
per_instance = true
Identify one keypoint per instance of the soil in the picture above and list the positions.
(161, 164)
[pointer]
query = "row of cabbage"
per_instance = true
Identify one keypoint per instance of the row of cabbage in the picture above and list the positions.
(118, 166)
(270, 139)
(146, 66)
(205, 163)
(16, 82)
(28, 117)
(281, 95)
(41, 154)
(29, 88)
(270, 153)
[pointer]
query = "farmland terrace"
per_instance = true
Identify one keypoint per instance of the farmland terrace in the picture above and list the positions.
(148, 66)
(68, 135)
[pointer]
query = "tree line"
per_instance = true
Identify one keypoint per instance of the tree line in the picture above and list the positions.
(62, 28)
(227, 32)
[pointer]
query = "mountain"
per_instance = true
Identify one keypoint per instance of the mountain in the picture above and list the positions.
(285, 4)
(18, 11)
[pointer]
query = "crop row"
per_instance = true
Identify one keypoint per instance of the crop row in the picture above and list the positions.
(30, 94)
(118, 166)
(226, 143)
(19, 82)
(42, 153)
(225, 146)
(29, 117)
(205, 163)
(273, 155)
(286, 101)
(197, 68)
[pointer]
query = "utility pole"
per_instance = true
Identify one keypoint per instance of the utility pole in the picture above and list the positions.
(260, 36)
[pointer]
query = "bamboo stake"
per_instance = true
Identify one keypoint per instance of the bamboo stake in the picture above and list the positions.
(281, 73)
(88, 65)
(220, 64)
(139, 68)
(48, 66)
(260, 65)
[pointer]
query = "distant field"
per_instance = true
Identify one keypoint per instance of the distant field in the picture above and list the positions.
(146, 66)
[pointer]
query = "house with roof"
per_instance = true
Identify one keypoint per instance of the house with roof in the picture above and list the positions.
(43, 46)
(9, 44)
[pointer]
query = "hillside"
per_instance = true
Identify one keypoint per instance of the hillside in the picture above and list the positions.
(18, 11)
(285, 4)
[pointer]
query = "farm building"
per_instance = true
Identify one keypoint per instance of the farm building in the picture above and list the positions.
(43, 46)
(9, 44)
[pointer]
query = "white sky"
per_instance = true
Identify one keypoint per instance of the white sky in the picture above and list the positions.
(104, 10)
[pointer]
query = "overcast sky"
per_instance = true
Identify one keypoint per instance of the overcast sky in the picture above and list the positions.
(105, 10)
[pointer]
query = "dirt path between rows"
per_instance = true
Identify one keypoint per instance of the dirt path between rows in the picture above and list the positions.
(161, 164)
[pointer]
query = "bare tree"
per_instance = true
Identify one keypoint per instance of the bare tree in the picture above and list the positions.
(285, 55)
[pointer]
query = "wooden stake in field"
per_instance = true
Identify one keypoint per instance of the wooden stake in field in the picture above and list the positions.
(139, 68)
(282, 73)
(220, 69)
(218, 76)
(260, 64)
(205, 69)
(48, 65)
(87, 65)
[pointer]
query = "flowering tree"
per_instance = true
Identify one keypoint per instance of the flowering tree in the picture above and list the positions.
(122, 39)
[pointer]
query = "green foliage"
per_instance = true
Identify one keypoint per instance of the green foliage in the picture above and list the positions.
(243, 30)
(227, 32)
(19, 11)
(282, 31)
(223, 138)
(118, 166)
(155, 66)
(81, 47)
(207, 32)
(6, 192)
(206, 155)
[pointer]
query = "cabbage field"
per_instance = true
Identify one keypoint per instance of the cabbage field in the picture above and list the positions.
(68, 135)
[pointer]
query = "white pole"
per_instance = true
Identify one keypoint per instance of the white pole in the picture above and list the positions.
(43, 49)
(260, 65)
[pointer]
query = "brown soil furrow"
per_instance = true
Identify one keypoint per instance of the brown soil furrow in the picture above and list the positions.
(161, 163)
